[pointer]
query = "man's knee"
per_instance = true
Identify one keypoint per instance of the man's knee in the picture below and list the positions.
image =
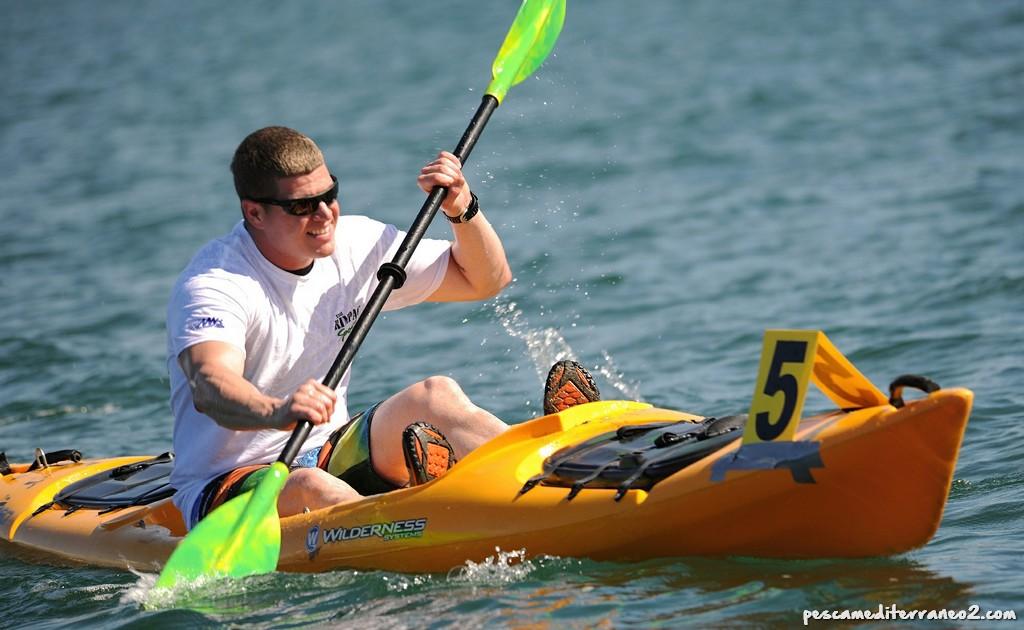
(304, 478)
(442, 387)
(437, 394)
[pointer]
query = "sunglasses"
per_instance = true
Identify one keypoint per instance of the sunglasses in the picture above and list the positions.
(307, 205)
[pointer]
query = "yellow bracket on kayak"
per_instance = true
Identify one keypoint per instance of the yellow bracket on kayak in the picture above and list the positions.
(790, 359)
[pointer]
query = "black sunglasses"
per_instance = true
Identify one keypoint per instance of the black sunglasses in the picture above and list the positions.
(307, 205)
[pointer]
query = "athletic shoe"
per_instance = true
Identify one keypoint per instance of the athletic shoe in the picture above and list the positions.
(569, 384)
(428, 455)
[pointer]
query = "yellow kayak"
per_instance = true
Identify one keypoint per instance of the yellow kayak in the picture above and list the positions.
(610, 480)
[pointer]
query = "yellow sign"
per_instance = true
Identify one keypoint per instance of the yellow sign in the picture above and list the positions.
(790, 359)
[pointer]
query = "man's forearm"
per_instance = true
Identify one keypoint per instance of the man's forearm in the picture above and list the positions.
(232, 401)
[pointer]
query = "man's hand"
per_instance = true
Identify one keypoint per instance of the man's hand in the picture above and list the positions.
(477, 268)
(312, 401)
(446, 171)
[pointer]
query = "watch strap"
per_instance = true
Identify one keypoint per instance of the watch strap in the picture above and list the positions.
(470, 212)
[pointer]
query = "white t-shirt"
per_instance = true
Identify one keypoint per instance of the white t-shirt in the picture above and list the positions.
(290, 328)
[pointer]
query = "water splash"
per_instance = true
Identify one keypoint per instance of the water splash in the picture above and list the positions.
(204, 593)
(617, 379)
(400, 583)
(504, 567)
(139, 593)
(145, 593)
(545, 346)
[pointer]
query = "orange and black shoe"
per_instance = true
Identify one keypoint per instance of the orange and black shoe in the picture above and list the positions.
(428, 455)
(569, 384)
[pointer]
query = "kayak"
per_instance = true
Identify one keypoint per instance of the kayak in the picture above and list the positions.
(610, 480)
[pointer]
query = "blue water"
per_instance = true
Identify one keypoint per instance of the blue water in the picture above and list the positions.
(676, 179)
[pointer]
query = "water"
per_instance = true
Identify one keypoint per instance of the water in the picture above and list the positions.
(676, 179)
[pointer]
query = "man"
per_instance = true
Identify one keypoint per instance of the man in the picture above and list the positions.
(257, 317)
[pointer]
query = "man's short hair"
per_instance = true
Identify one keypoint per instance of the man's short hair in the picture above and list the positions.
(270, 153)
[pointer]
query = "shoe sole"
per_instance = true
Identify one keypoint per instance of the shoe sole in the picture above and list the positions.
(569, 384)
(428, 455)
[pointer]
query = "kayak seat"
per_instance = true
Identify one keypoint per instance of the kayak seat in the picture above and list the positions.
(130, 485)
(635, 457)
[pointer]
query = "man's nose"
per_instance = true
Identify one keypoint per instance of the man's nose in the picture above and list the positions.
(323, 212)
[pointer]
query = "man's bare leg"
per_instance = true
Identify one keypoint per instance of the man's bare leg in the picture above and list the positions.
(440, 401)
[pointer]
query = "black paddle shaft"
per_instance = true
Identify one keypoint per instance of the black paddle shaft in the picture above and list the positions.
(391, 275)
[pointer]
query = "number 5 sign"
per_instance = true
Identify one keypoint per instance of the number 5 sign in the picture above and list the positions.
(790, 360)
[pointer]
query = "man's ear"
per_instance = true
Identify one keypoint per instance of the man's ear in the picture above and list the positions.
(253, 213)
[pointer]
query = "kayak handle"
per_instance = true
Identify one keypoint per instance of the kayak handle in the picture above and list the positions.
(922, 383)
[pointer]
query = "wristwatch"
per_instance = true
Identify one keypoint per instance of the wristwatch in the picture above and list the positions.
(469, 213)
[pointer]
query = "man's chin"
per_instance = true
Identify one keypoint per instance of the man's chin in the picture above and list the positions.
(322, 245)
(324, 250)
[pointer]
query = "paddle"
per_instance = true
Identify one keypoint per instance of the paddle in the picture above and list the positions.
(243, 536)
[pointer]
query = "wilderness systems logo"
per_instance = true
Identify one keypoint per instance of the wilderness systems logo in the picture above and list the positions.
(313, 541)
(200, 323)
(394, 530)
(344, 321)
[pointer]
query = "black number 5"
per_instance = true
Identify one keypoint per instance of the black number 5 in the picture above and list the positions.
(785, 352)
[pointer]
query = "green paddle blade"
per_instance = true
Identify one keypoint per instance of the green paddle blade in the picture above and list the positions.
(527, 44)
(241, 537)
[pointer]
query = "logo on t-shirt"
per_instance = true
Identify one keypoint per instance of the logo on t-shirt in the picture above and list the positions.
(200, 323)
(344, 321)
